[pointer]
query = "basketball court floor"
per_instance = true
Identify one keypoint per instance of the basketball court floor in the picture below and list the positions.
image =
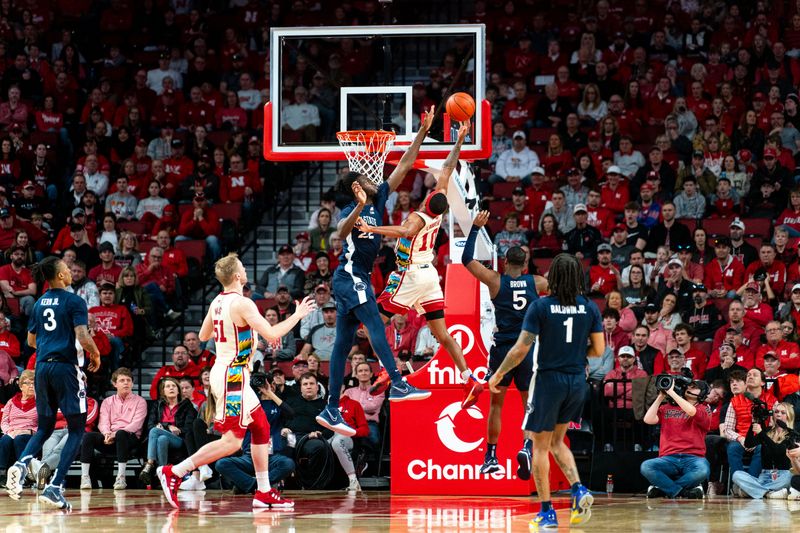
(139, 510)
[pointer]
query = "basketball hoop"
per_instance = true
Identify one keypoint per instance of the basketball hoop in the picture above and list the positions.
(366, 151)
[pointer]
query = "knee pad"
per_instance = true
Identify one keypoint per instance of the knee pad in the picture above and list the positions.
(259, 427)
(76, 423)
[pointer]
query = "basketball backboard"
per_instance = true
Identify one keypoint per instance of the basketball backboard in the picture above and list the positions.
(329, 79)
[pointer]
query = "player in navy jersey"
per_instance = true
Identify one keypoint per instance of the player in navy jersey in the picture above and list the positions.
(561, 325)
(57, 330)
(511, 293)
(355, 299)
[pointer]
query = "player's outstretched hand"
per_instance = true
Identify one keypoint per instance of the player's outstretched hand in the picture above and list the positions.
(94, 362)
(359, 193)
(481, 219)
(427, 122)
(464, 130)
(494, 382)
(305, 307)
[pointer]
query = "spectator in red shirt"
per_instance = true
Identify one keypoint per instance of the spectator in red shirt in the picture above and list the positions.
(201, 222)
(159, 282)
(174, 259)
(599, 217)
(757, 312)
(788, 352)
(724, 274)
(177, 168)
(16, 280)
(8, 341)
(196, 112)
(10, 225)
(604, 276)
(240, 185)
(521, 62)
(519, 205)
(696, 360)
(518, 112)
(200, 357)
(114, 320)
(775, 271)
(614, 193)
(108, 270)
(181, 366)
(620, 395)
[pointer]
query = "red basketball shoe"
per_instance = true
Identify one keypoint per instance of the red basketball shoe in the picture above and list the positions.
(169, 484)
(272, 499)
(381, 383)
(472, 389)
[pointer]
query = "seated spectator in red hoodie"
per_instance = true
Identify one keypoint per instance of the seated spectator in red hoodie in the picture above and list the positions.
(181, 366)
(159, 282)
(201, 222)
(767, 264)
(756, 312)
(16, 280)
(114, 320)
(788, 352)
(402, 336)
(779, 382)
(174, 259)
(108, 270)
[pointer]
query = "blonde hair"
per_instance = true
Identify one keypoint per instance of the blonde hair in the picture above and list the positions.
(208, 412)
(225, 268)
(26, 375)
(779, 434)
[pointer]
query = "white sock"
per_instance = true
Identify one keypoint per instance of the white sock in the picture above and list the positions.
(184, 467)
(262, 479)
(466, 374)
(122, 466)
(351, 477)
(85, 469)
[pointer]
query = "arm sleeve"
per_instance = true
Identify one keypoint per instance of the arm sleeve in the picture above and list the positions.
(469, 246)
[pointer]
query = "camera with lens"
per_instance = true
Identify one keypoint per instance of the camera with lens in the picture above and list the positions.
(680, 383)
(760, 411)
(760, 275)
(259, 379)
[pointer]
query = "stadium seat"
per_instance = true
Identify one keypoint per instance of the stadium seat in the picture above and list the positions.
(495, 225)
(264, 304)
(757, 227)
(717, 226)
(539, 136)
(134, 226)
(231, 211)
(146, 245)
(542, 265)
(722, 305)
(690, 223)
(13, 305)
(503, 190)
(195, 248)
(703, 346)
(500, 207)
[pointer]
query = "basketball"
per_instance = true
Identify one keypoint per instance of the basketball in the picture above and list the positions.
(460, 106)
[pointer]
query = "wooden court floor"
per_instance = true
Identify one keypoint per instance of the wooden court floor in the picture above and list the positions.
(138, 510)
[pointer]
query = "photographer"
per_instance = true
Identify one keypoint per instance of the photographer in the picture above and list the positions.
(774, 479)
(681, 466)
(739, 417)
(240, 470)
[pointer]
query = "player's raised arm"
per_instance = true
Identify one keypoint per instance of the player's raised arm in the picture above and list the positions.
(407, 161)
(490, 278)
(412, 225)
(249, 312)
(85, 338)
(598, 345)
(207, 329)
(452, 159)
(347, 224)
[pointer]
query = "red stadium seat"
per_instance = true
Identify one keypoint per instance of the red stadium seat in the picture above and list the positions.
(690, 223)
(755, 241)
(704, 346)
(13, 305)
(542, 265)
(500, 207)
(265, 304)
(722, 305)
(717, 226)
(146, 245)
(540, 136)
(195, 248)
(503, 190)
(495, 225)
(757, 227)
(600, 303)
(134, 226)
(231, 211)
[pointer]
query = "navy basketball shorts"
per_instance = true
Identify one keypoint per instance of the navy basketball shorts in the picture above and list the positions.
(555, 398)
(351, 290)
(59, 386)
(521, 374)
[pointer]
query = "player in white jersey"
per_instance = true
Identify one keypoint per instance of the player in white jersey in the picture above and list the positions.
(415, 284)
(232, 320)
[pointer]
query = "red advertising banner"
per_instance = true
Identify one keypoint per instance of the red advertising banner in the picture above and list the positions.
(437, 447)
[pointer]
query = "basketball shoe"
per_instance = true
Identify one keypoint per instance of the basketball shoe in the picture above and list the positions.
(170, 483)
(271, 499)
(472, 389)
(382, 383)
(544, 520)
(331, 418)
(581, 509)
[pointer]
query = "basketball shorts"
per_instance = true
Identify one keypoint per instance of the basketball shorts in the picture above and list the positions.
(521, 374)
(235, 399)
(59, 386)
(351, 290)
(415, 288)
(554, 398)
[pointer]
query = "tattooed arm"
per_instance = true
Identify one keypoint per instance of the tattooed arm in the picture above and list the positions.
(86, 340)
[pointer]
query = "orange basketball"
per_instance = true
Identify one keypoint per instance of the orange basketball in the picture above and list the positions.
(460, 107)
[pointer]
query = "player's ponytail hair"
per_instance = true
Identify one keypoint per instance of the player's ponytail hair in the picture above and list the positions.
(45, 270)
(565, 279)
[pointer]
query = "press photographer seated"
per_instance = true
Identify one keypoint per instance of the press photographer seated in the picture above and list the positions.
(774, 478)
(681, 466)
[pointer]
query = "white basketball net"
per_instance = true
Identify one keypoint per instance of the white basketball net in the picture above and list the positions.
(366, 151)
